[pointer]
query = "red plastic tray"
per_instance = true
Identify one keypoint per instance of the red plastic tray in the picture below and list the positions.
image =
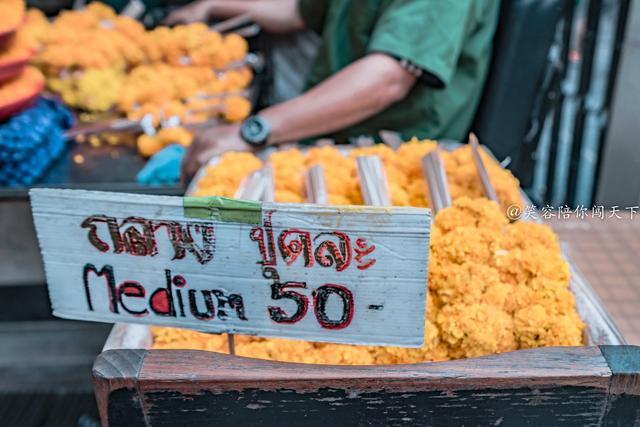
(12, 69)
(18, 105)
(7, 35)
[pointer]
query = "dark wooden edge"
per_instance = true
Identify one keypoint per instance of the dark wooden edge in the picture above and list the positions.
(116, 370)
(623, 399)
(189, 370)
(126, 379)
(624, 362)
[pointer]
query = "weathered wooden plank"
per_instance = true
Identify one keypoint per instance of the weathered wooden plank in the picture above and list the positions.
(555, 406)
(581, 366)
(624, 392)
(549, 386)
(115, 378)
(338, 274)
(624, 362)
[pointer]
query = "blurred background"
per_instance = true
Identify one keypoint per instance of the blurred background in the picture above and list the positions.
(560, 110)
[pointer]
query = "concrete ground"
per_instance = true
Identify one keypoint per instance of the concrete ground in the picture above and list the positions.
(607, 251)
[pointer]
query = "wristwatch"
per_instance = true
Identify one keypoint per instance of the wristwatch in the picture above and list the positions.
(255, 131)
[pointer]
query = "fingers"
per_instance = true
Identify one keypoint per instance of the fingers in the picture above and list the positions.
(187, 168)
(174, 18)
(193, 161)
(183, 15)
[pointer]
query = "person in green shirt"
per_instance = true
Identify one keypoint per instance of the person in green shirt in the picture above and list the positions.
(414, 66)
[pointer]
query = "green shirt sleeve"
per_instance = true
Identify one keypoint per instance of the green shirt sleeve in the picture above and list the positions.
(313, 13)
(428, 33)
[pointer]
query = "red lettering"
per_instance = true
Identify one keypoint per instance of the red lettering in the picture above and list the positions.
(112, 225)
(267, 249)
(161, 301)
(363, 249)
(132, 289)
(139, 238)
(328, 253)
(294, 248)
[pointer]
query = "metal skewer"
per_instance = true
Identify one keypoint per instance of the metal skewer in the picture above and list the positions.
(268, 194)
(251, 188)
(391, 138)
(373, 181)
(231, 23)
(483, 174)
(324, 142)
(242, 24)
(365, 141)
(118, 125)
(126, 125)
(316, 186)
(245, 93)
(438, 186)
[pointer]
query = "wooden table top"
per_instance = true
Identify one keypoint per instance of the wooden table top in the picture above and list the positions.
(607, 251)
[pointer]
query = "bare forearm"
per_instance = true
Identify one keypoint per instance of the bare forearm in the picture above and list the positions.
(272, 15)
(356, 93)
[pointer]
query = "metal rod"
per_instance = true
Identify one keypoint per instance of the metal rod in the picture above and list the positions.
(557, 114)
(234, 22)
(373, 181)
(437, 184)
(391, 138)
(126, 125)
(251, 188)
(588, 55)
(248, 31)
(117, 125)
(487, 186)
(231, 339)
(621, 29)
(324, 142)
(365, 141)
(268, 195)
(222, 95)
(316, 186)
(442, 181)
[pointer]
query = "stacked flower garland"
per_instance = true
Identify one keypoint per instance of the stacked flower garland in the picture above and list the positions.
(98, 61)
(494, 286)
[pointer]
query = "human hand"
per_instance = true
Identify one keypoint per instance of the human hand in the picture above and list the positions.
(198, 11)
(211, 142)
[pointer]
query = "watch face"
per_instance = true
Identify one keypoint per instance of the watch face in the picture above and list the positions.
(255, 130)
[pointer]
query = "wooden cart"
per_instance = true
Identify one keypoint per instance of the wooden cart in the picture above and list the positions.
(596, 384)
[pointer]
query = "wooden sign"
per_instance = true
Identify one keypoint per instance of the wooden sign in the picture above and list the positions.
(349, 274)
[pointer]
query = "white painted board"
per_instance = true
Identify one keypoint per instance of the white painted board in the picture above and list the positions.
(352, 274)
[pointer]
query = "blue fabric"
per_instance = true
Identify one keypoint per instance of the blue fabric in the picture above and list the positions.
(163, 167)
(31, 141)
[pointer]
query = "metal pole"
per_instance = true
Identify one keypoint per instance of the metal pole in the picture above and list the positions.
(621, 30)
(231, 338)
(590, 38)
(557, 114)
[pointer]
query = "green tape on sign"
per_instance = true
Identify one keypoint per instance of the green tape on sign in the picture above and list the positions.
(223, 209)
